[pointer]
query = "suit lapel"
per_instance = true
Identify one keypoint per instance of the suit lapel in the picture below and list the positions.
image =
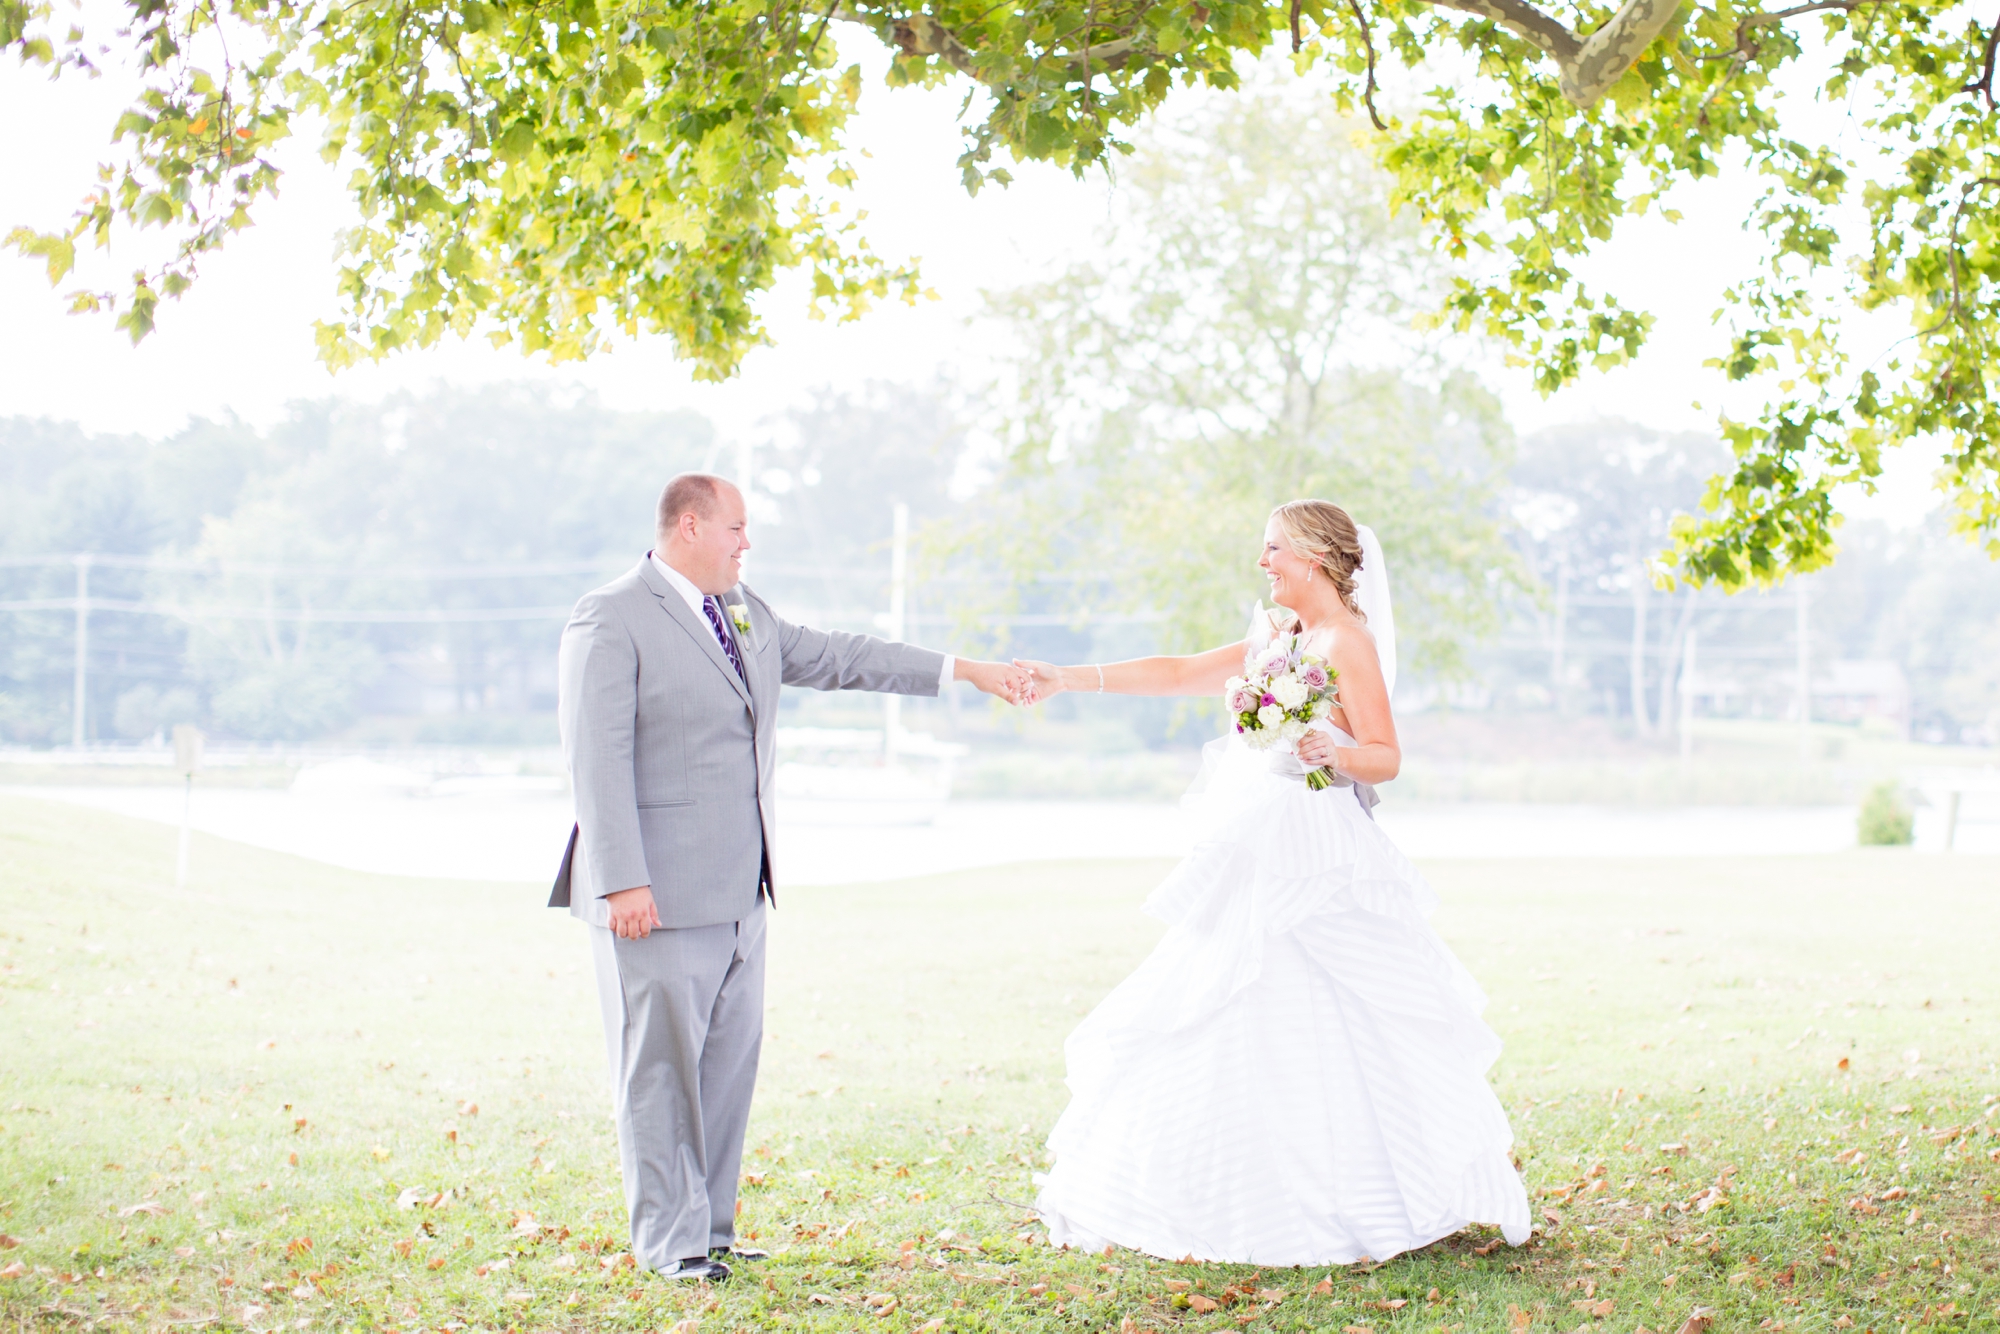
(695, 624)
(745, 649)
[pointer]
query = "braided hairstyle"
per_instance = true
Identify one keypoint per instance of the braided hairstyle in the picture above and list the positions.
(1324, 533)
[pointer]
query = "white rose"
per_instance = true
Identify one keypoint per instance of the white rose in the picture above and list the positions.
(1289, 691)
(1270, 715)
(1233, 684)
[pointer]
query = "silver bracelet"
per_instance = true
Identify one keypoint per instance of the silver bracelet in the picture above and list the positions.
(1100, 678)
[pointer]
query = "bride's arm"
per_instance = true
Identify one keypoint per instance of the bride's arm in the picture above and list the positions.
(1364, 701)
(1192, 674)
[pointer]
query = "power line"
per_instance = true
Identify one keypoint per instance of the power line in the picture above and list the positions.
(422, 615)
(470, 571)
(364, 616)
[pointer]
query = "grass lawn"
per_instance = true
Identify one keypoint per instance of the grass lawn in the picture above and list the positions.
(304, 1098)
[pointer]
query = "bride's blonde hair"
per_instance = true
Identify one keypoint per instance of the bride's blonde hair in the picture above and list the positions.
(1325, 534)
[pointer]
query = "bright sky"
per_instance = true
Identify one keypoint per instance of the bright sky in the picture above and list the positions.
(241, 341)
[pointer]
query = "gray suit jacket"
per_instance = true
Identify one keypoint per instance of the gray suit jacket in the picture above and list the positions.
(672, 756)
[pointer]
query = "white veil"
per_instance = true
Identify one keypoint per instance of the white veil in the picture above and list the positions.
(1371, 590)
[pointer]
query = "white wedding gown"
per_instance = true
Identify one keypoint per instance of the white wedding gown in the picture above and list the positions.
(1297, 1074)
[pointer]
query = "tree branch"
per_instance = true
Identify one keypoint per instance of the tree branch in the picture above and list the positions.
(1984, 83)
(922, 35)
(1368, 45)
(1586, 66)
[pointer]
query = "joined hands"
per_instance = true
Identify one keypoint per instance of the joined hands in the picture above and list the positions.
(1013, 683)
(1043, 680)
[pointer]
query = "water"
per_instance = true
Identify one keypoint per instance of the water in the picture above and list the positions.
(502, 833)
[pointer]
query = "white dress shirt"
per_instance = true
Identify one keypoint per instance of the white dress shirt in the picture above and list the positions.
(693, 596)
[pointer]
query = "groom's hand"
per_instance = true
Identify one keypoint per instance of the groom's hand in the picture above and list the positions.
(633, 915)
(996, 678)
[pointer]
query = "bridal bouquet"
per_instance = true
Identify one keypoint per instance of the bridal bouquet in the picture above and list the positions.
(1282, 689)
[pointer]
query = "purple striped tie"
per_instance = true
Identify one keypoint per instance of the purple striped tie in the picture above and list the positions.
(728, 644)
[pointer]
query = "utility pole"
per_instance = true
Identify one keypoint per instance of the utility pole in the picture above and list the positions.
(187, 759)
(1804, 683)
(1562, 627)
(76, 728)
(1641, 587)
(893, 624)
(1687, 696)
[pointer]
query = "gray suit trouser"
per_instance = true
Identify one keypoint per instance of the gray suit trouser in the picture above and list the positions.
(683, 1025)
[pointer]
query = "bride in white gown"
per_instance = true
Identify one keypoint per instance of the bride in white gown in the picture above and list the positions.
(1297, 1074)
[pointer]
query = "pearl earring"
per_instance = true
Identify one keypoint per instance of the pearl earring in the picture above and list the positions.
(1309, 572)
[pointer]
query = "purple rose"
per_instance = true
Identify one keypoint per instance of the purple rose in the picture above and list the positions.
(1242, 700)
(1313, 676)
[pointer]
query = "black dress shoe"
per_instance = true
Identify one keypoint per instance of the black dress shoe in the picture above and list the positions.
(699, 1269)
(745, 1253)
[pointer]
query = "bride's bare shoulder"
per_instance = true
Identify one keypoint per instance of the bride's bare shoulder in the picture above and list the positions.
(1352, 645)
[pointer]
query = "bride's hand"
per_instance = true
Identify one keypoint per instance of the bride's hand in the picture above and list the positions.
(1316, 749)
(1044, 679)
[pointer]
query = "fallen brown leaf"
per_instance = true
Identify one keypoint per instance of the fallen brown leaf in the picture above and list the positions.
(153, 1207)
(1197, 1302)
(14, 1270)
(1699, 1322)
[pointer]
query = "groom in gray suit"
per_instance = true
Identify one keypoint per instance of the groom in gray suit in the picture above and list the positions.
(668, 698)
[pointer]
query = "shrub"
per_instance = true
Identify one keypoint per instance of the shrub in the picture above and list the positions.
(1886, 819)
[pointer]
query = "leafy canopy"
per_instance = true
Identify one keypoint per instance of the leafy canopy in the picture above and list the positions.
(549, 173)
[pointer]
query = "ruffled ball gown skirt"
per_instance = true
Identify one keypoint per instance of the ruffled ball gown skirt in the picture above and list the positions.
(1297, 1074)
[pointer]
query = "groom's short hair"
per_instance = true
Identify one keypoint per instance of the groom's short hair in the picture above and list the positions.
(691, 492)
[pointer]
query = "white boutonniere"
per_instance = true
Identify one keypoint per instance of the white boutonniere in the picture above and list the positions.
(740, 614)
